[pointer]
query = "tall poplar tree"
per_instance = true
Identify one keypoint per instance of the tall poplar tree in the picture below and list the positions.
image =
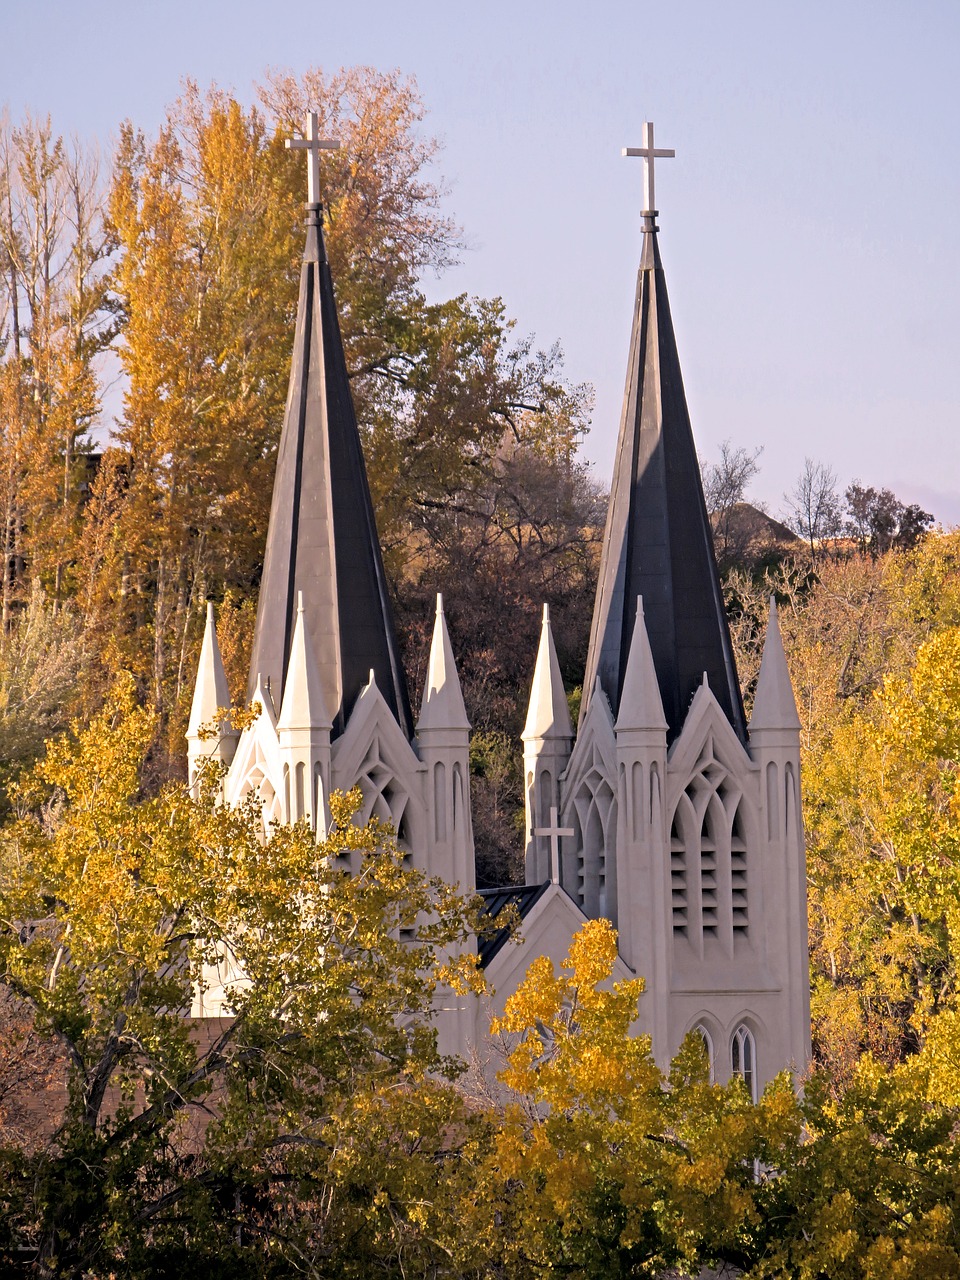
(55, 320)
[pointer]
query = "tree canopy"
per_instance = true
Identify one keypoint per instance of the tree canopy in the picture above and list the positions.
(316, 1130)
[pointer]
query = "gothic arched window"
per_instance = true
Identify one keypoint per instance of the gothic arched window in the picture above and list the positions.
(743, 1058)
(594, 814)
(705, 1036)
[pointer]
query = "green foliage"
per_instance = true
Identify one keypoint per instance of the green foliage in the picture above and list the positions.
(56, 317)
(608, 1169)
(872, 1190)
(316, 1130)
(604, 1169)
(872, 645)
(118, 909)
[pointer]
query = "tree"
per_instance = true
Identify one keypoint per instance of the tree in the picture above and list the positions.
(870, 644)
(56, 317)
(813, 506)
(207, 219)
(871, 1190)
(883, 846)
(206, 223)
(42, 659)
(276, 1132)
(607, 1169)
(529, 535)
(441, 387)
(879, 521)
(315, 1129)
(724, 489)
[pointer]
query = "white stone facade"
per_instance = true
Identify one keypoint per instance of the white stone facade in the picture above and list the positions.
(695, 853)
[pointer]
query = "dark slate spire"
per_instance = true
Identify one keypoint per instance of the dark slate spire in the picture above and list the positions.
(322, 537)
(658, 542)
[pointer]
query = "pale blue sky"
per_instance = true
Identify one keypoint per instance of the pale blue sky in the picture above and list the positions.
(808, 224)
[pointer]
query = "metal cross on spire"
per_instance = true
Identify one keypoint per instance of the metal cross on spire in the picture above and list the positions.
(313, 145)
(649, 153)
(554, 831)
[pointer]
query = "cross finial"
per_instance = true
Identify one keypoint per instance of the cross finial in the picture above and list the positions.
(649, 152)
(554, 831)
(313, 145)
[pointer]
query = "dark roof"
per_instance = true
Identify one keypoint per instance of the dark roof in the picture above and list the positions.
(322, 537)
(522, 896)
(657, 541)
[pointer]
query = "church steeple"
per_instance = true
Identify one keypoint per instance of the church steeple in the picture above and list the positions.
(322, 537)
(658, 542)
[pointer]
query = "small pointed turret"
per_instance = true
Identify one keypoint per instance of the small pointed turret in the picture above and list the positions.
(262, 694)
(641, 706)
(775, 749)
(443, 741)
(304, 732)
(303, 704)
(547, 742)
(548, 713)
(774, 706)
(442, 706)
(210, 690)
(641, 733)
(209, 693)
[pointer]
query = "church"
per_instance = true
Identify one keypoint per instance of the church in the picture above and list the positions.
(663, 810)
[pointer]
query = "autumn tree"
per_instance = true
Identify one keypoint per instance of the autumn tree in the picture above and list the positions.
(606, 1167)
(315, 1129)
(602, 1167)
(56, 318)
(879, 521)
(206, 223)
(871, 1188)
(725, 486)
(42, 661)
(276, 1131)
(207, 218)
(529, 535)
(884, 839)
(440, 388)
(869, 641)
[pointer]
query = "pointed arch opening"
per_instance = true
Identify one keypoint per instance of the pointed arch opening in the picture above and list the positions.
(257, 781)
(707, 1040)
(440, 801)
(743, 1058)
(593, 822)
(710, 860)
(681, 836)
(384, 797)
